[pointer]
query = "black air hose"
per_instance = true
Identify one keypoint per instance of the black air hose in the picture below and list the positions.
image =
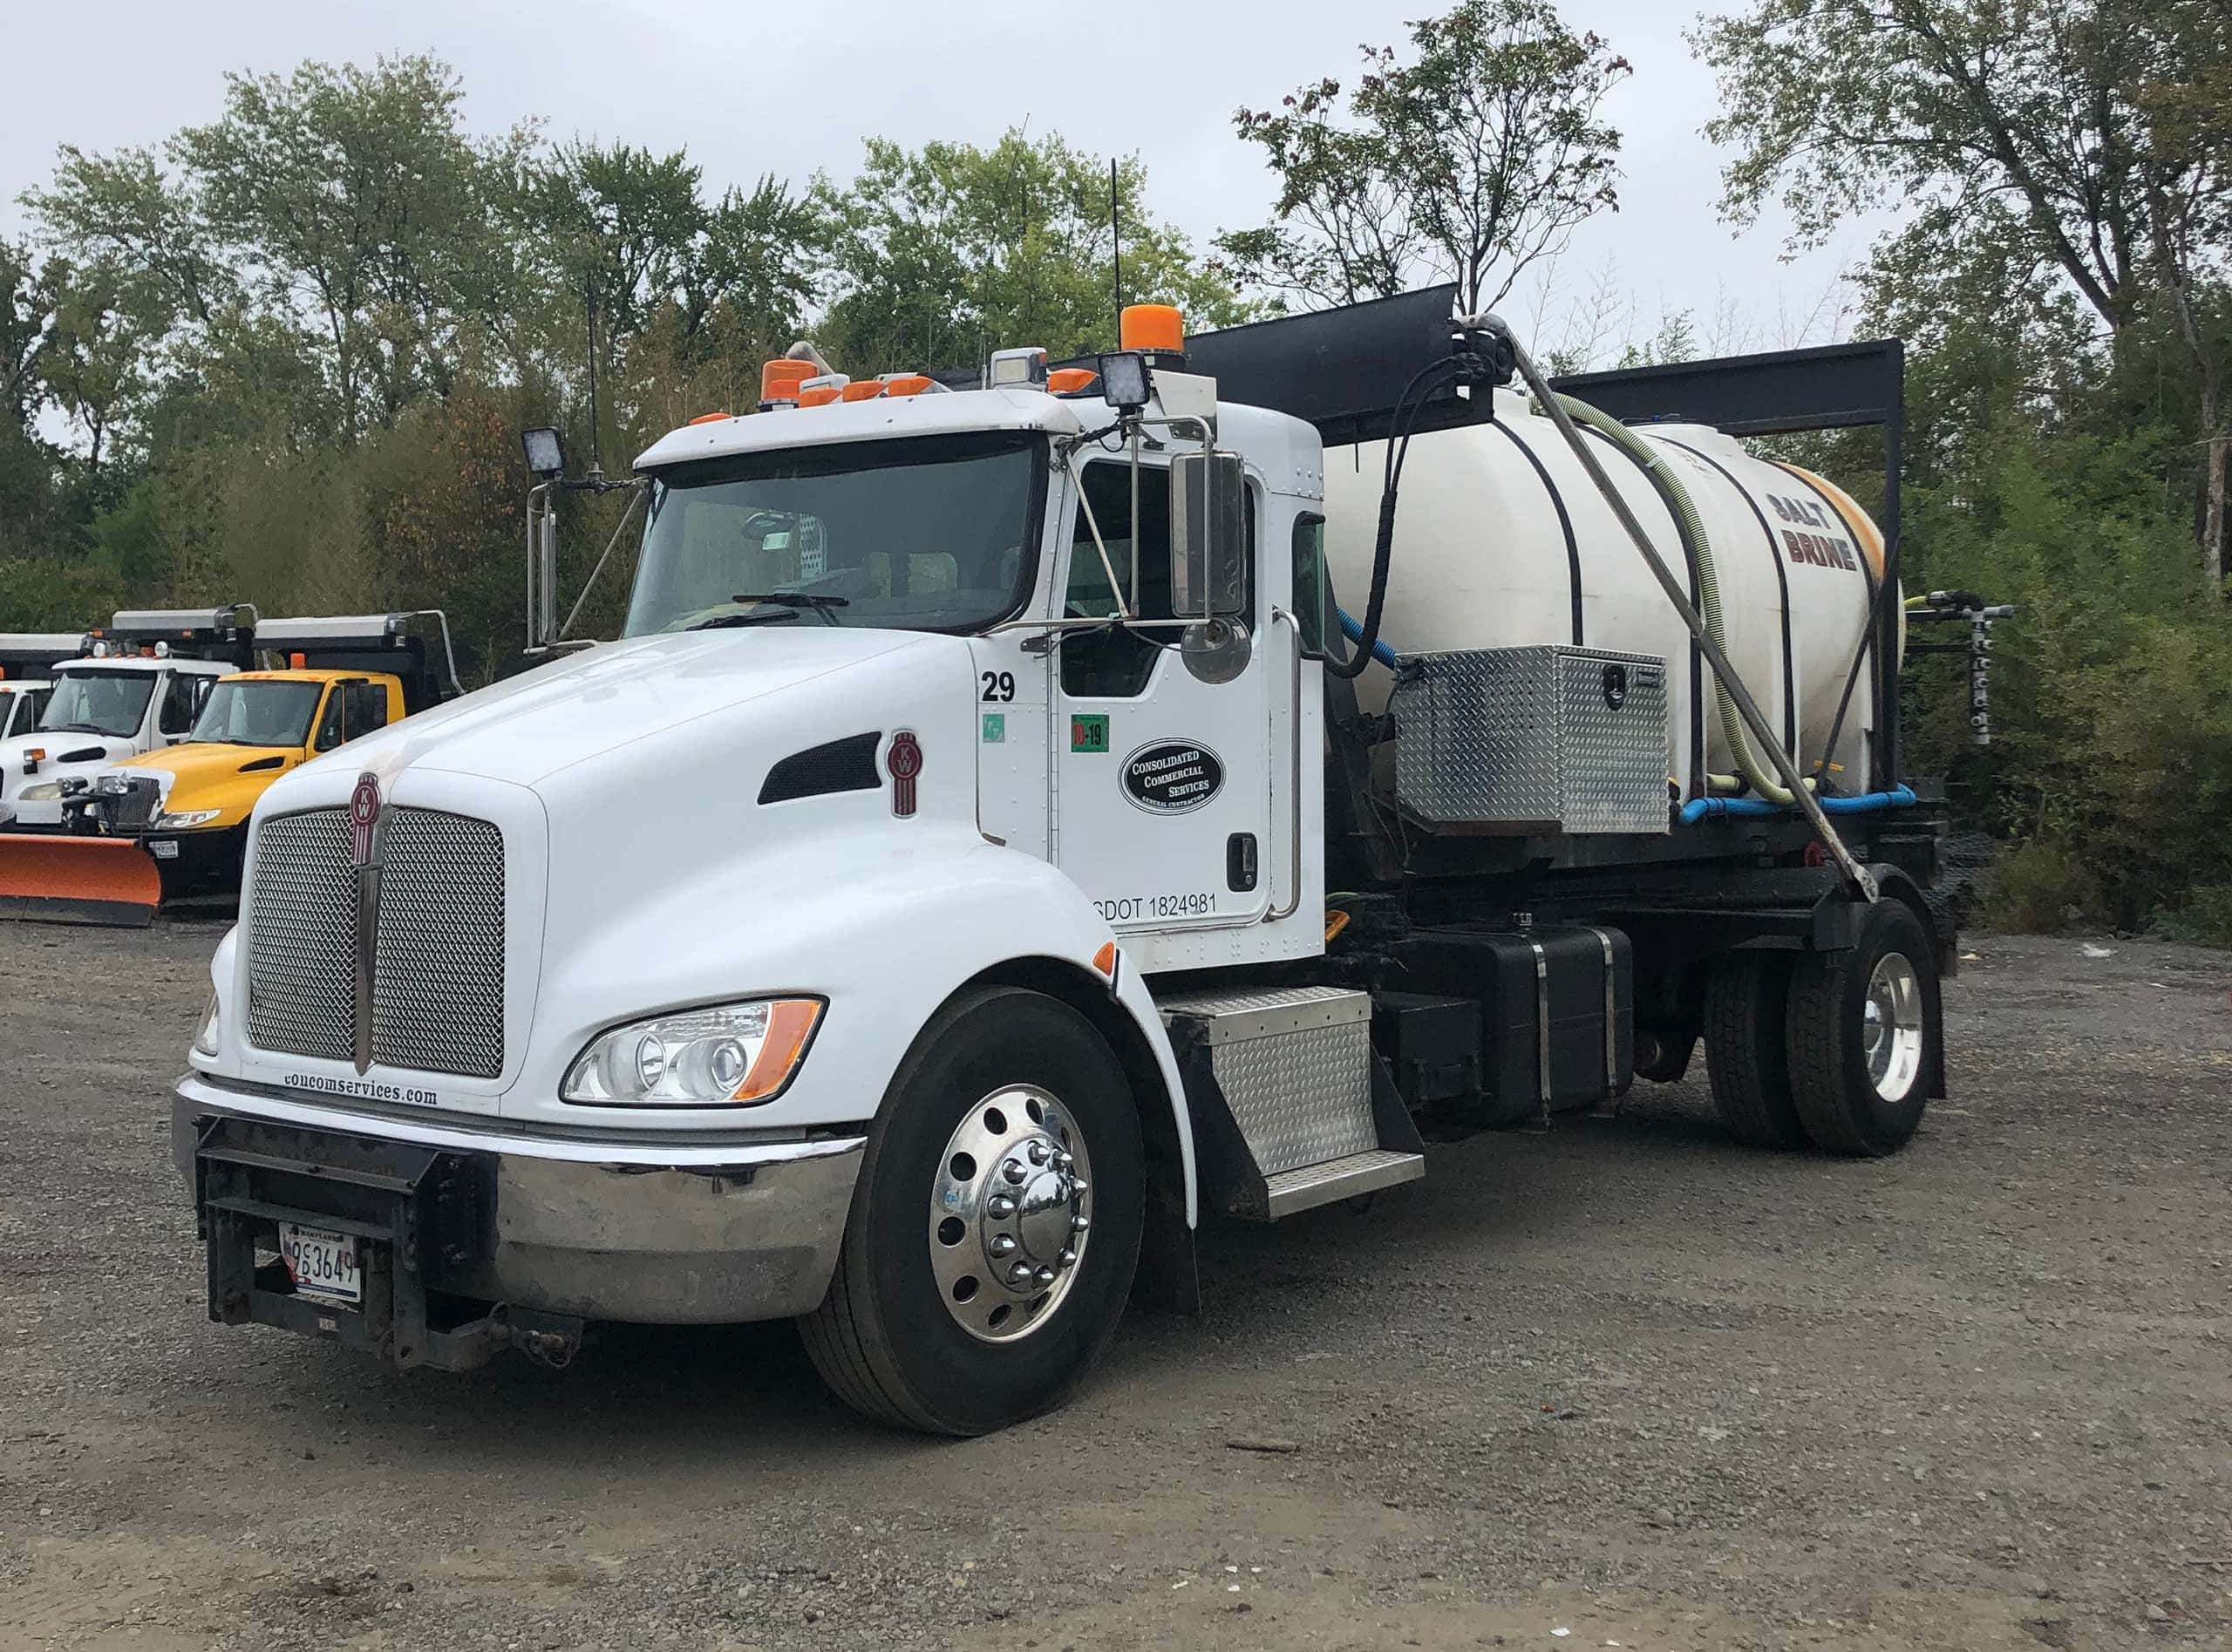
(1400, 426)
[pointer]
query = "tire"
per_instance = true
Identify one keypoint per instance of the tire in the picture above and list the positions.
(1848, 1104)
(1746, 1003)
(893, 1338)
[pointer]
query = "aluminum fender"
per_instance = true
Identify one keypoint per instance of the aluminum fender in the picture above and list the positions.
(882, 919)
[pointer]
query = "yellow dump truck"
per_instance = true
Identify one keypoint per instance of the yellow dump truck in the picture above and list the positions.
(182, 813)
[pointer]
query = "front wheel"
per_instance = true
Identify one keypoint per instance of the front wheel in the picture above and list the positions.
(995, 1225)
(1862, 1030)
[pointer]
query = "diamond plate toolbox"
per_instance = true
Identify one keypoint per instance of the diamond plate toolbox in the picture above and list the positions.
(1533, 739)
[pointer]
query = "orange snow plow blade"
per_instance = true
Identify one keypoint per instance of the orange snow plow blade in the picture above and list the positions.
(73, 880)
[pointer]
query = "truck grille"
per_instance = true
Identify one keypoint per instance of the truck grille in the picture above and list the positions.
(438, 978)
(137, 805)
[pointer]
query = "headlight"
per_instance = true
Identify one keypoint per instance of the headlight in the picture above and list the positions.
(185, 818)
(204, 1042)
(45, 791)
(111, 785)
(726, 1056)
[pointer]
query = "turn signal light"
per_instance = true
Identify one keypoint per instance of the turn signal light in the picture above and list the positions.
(1157, 327)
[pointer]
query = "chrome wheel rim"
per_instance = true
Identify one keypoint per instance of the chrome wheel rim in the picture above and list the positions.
(1891, 1033)
(1011, 1212)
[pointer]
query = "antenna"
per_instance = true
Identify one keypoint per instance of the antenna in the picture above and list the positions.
(1116, 237)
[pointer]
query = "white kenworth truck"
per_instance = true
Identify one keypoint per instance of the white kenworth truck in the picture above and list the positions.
(980, 854)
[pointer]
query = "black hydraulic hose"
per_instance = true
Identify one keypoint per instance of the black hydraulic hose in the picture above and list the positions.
(1399, 446)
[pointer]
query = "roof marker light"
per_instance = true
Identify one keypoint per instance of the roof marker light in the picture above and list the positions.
(861, 390)
(710, 418)
(1068, 381)
(908, 384)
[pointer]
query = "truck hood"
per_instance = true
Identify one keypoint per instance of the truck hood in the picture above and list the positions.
(211, 776)
(680, 694)
(62, 758)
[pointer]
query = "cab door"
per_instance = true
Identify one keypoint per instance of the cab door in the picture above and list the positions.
(1161, 802)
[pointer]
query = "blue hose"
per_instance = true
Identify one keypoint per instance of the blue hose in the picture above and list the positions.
(1380, 651)
(1698, 809)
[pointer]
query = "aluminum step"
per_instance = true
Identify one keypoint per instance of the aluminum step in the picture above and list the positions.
(1348, 1177)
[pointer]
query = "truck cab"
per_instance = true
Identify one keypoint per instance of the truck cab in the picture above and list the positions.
(919, 913)
(21, 702)
(189, 804)
(102, 708)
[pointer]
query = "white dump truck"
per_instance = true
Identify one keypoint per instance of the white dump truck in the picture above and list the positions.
(132, 685)
(980, 855)
(27, 659)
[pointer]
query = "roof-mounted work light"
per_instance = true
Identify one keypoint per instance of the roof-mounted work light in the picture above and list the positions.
(546, 451)
(1126, 381)
(1024, 366)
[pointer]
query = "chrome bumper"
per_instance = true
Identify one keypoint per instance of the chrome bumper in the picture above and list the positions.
(631, 1230)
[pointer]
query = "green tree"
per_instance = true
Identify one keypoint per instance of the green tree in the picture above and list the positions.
(353, 202)
(94, 365)
(1466, 163)
(2084, 137)
(639, 273)
(948, 253)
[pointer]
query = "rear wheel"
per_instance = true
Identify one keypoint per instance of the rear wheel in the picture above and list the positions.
(1744, 1008)
(995, 1226)
(1862, 1028)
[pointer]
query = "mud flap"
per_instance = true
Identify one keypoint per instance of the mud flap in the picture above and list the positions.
(66, 879)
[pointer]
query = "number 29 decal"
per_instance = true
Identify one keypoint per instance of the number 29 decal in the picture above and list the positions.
(999, 686)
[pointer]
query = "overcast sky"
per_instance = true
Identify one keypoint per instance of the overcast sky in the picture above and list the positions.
(749, 87)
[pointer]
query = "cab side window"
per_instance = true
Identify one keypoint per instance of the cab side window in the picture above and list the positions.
(183, 698)
(328, 722)
(1117, 662)
(1312, 608)
(367, 708)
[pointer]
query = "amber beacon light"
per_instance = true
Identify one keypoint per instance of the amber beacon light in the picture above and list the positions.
(1156, 327)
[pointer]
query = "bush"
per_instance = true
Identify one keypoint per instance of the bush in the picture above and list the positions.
(2112, 691)
(2037, 888)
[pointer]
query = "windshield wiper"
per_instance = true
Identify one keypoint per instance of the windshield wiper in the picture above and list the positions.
(724, 622)
(820, 604)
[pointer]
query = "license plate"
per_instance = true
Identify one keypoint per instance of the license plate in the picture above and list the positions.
(164, 848)
(323, 1265)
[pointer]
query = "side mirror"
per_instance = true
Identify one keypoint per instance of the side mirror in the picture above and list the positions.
(1209, 536)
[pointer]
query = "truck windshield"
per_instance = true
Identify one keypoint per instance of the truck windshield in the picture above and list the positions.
(98, 702)
(934, 534)
(247, 713)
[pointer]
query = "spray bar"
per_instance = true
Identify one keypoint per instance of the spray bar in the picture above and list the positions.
(1857, 875)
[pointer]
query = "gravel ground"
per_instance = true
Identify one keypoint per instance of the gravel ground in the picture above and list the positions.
(1623, 1384)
